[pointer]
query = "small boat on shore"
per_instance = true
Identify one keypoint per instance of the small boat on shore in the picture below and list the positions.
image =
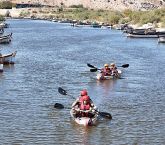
(99, 76)
(5, 39)
(161, 39)
(4, 25)
(132, 35)
(145, 33)
(1, 31)
(1, 68)
(8, 58)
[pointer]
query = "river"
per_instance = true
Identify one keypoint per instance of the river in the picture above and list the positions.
(52, 55)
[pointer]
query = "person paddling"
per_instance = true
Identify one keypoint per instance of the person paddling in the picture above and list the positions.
(113, 69)
(106, 71)
(83, 105)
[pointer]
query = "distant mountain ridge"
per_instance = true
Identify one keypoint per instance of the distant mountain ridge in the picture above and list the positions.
(101, 4)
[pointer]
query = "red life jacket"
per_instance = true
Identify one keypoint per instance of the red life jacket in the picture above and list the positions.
(106, 72)
(85, 107)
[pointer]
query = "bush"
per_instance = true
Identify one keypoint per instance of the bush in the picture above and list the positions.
(24, 14)
(2, 18)
(76, 6)
(124, 20)
(149, 18)
(127, 13)
(153, 16)
(114, 19)
(14, 5)
(5, 5)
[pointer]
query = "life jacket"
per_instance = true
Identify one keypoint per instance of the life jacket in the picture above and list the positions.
(83, 98)
(114, 71)
(106, 72)
(85, 107)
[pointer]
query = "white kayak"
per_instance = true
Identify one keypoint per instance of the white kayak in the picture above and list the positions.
(86, 121)
(99, 76)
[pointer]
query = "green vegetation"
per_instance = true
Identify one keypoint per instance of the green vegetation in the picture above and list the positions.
(91, 15)
(13, 5)
(24, 13)
(143, 17)
(76, 6)
(2, 18)
(112, 17)
(5, 5)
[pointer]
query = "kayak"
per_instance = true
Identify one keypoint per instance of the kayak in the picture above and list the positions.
(86, 121)
(99, 76)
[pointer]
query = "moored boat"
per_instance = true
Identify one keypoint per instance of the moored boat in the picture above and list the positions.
(1, 67)
(99, 76)
(145, 34)
(5, 39)
(1, 31)
(161, 39)
(86, 121)
(8, 58)
(132, 35)
(4, 25)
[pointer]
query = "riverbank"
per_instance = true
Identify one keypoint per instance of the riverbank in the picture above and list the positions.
(102, 17)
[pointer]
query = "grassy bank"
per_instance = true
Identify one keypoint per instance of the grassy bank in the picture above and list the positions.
(2, 18)
(156, 16)
(110, 17)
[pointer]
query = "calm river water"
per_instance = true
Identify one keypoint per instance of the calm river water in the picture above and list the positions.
(52, 55)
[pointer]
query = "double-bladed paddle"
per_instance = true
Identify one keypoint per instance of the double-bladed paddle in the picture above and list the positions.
(60, 106)
(103, 114)
(94, 69)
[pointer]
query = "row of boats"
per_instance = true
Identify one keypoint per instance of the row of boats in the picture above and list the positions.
(148, 31)
(9, 58)
(145, 33)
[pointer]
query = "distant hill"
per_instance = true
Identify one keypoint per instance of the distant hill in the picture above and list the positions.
(101, 4)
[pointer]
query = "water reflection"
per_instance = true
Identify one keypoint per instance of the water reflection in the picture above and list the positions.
(108, 85)
(9, 67)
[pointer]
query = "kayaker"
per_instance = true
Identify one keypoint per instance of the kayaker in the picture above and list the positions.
(83, 104)
(106, 71)
(113, 69)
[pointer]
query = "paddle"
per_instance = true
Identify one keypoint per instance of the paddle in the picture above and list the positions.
(103, 114)
(60, 106)
(124, 65)
(95, 69)
(91, 66)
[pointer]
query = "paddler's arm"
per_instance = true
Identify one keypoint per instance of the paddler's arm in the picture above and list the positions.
(75, 103)
(91, 102)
